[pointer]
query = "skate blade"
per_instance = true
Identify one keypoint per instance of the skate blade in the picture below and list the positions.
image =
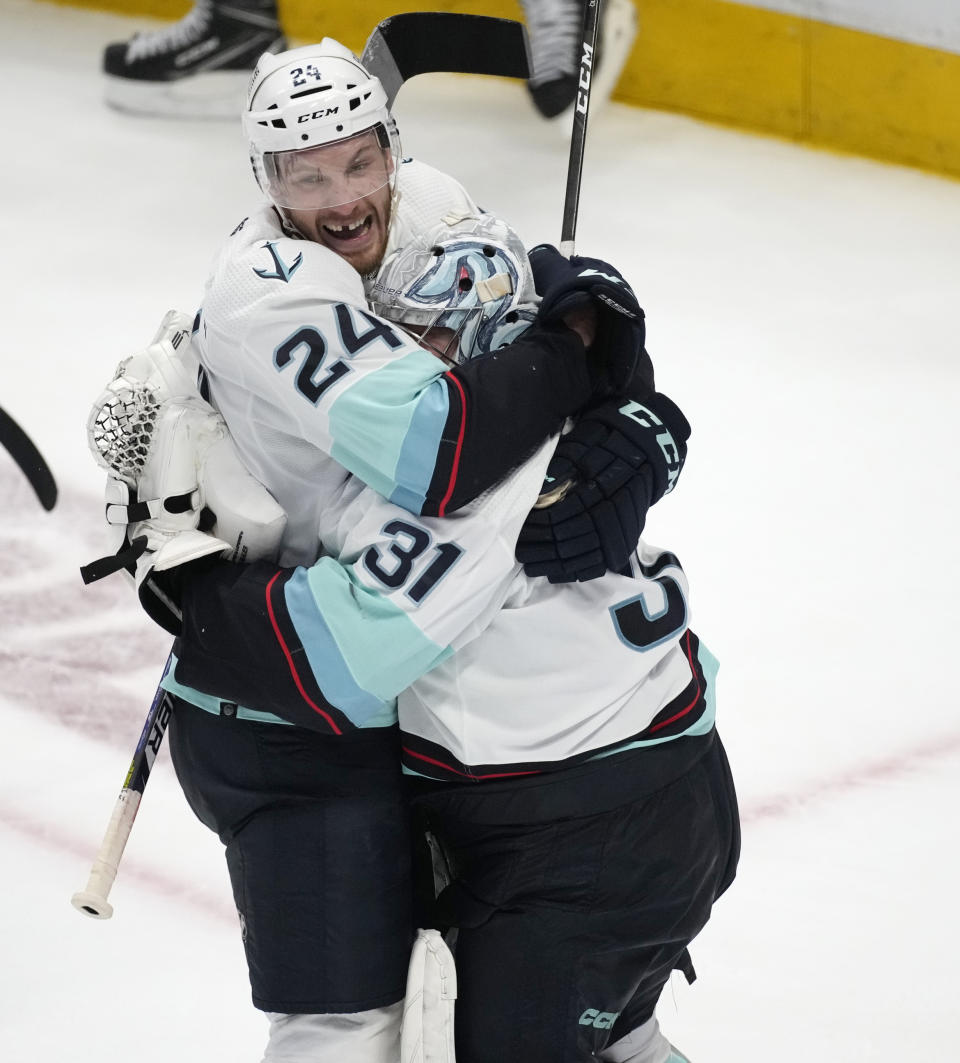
(215, 94)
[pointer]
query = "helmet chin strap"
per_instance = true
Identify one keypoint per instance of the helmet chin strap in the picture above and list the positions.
(394, 208)
(287, 224)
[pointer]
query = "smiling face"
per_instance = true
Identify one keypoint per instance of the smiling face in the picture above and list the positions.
(339, 195)
(356, 231)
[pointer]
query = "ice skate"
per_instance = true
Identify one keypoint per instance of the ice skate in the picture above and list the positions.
(198, 67)
(555, 30)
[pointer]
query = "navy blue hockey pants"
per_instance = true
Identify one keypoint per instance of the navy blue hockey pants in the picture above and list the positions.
(577, 893)
(318, 848)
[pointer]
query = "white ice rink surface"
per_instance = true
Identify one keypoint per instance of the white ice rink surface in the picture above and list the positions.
(802, 308)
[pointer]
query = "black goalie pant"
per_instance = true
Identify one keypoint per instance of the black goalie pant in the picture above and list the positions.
(318, 848)
(577, 893)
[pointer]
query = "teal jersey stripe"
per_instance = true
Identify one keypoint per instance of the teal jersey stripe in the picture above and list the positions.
(418, 455)
(208, 702)
(386, 435)
(303, 597)
(363, 649)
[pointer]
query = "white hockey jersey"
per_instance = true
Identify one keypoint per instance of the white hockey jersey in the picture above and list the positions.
(498, 673)
(492, 673)
(312, 384)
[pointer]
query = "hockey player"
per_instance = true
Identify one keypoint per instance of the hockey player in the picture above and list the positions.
(200, 65)
(555, 29)
(288, 343)
(312, 385)
(560, 737)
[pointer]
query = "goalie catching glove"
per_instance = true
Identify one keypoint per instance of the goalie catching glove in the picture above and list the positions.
(571, 284)
(620, 458)
(176, 486)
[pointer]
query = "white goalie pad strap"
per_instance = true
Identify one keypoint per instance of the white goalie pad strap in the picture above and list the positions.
(428, 1011)
(123, 515)
(121, 509)
(118, 501)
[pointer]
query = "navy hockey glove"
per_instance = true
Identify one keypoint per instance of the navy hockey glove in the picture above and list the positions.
(570, 284)
(619, 459)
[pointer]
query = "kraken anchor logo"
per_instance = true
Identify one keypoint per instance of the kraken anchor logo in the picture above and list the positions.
(281, 271)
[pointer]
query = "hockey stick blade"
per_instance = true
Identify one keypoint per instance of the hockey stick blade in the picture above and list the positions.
(428, 42)
(25, 454)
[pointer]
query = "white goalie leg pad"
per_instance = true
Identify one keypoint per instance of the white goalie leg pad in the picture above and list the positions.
(644, 1044)
(428, 1010)
(363, 1037)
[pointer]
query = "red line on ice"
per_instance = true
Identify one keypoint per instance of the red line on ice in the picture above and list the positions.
(75, 654)
(51, 837)
(889, 768)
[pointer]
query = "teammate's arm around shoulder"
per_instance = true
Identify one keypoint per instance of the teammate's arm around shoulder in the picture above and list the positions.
(362, 390)
(330, 646)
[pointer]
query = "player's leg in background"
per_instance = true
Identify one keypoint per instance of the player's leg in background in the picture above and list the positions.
(197, 67)
(318, 850)
(645, 1044)
(555, 30)
(370, 1036)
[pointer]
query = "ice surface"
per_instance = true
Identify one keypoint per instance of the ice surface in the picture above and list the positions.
(802, 309)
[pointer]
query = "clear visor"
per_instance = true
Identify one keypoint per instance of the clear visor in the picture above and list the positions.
(332, 174)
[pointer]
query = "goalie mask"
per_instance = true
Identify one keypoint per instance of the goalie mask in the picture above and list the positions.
(469, 277)
(319, 128)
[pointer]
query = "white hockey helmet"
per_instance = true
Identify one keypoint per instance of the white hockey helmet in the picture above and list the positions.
(305, 100)
(469, 274)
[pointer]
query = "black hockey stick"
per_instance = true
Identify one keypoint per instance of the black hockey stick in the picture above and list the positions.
(571, 200)
(578, 136)
(427, 42)
(92, 899)
(25, 454)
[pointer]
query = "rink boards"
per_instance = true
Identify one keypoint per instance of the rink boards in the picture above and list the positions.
(766, 68)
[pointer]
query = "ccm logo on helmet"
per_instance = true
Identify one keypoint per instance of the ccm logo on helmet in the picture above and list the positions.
(324, 112)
